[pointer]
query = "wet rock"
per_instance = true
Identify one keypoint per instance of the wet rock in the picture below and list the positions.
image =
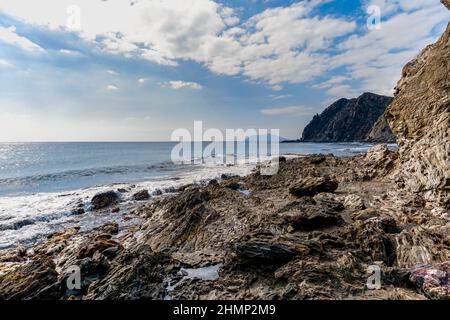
(433, 280)
(157, 192)
(103, 200)
(122, 190)
(78, 211)
(233, 186)
(313, 185)
(213, 183)
(141, 195)
(249, 252)
(115, 210)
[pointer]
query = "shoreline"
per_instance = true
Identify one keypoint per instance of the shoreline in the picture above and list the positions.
(269, 239)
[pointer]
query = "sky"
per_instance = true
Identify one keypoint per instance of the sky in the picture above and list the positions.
(136, 70)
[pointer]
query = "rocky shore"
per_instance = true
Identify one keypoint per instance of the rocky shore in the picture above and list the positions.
(318, 229)
(312, 231)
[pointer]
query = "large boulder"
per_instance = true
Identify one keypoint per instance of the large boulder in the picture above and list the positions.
(104, 199)
(311, 186)
(420, 118)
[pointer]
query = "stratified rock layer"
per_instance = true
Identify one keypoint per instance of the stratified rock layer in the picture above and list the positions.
(420, 118)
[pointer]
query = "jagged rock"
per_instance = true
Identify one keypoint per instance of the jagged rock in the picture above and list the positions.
(103, 200)
(420, 118)
(134, 274)
(366, 214)
(347, 120)
(313, 220)
(34, 280)
(381, 132)
(313, 185)
(141, 195)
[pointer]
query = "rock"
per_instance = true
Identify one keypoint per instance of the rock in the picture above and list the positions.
(122, 190)
(308, 221)
(98, 244)
(354, 202)
(157, 192)
(115, 210)
(381, 132)
(213, 183)
(420, 118)
(366, 214)
(103, 200)
(377, 153)
(111, 228)
(312, 185)
(34, 280)
(233, 186)
(249, 252)
(141, 195)
(347, 120)
(78, 211)
(138, 273)
(433, 280)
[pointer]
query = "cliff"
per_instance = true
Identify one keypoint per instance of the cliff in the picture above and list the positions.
(349, 120)
(420, 118)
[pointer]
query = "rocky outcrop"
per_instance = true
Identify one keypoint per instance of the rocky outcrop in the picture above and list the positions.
(381, 132)
(349, 120)
(420, 118)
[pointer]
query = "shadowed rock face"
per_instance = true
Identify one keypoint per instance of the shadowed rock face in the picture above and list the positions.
(420, 118)
(381, 132)
(347, 120)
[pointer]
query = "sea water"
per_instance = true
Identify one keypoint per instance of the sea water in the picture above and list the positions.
(41, 183)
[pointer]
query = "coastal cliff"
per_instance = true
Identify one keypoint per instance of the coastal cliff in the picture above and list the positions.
(351, 121)
(420, 118)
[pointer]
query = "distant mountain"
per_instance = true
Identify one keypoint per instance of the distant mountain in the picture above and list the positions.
(351, 120)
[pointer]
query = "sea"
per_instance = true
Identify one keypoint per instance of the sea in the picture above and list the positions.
(42, 183)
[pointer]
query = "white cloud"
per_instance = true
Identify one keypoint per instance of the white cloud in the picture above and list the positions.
(184, 84)
(142, 80)
(69, 53)
(112, 72)
(292, 44)
(5, 64)
(293, 110)
(111, 87)
(10, 36)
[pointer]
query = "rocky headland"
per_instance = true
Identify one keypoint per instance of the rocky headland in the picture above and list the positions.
(360, 119)
(314, 230)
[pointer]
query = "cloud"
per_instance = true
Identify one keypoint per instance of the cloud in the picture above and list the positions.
(69, 53)
(183, 84)
(112, 72)
(112, 87)
(5, 64)
(10, 36)
(293, 110)
(294, 44)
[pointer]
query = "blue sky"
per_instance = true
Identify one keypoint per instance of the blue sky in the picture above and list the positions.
(137, 70)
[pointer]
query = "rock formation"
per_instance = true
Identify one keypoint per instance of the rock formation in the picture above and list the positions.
(349, 120)
(381, 132)
(420, 118)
